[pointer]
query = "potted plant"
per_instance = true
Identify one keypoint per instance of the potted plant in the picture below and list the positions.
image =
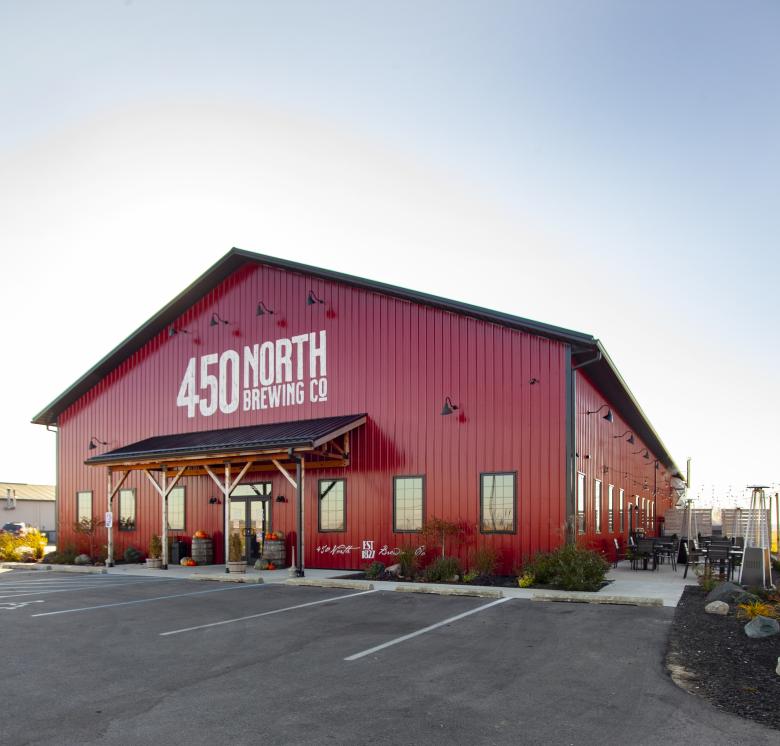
(154, 560)
(235, 563)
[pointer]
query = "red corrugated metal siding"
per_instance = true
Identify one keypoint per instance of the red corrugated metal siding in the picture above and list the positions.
(392, 359)
(614, 461)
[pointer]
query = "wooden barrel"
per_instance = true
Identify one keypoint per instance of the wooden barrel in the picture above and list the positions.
(274, 551)
(203, 551)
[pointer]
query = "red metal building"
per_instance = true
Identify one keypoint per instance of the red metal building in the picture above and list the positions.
(381, 407)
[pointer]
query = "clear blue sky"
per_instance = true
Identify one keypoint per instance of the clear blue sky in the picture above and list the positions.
(607, 166)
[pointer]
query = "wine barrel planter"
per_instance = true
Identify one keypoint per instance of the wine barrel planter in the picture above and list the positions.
(274, 551)
(203, 551)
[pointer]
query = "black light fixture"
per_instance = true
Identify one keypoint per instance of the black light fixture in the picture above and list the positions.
(644, 453)
(312, 298)
(262, 309)
(533, 381)
(215, 501)
(173, 331)
(93, 443)
(608, 416)
(216, 320)
(448, 407)
(281, 499)
(630, 438)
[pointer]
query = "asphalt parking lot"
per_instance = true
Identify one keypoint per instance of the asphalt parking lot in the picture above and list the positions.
(101, 659)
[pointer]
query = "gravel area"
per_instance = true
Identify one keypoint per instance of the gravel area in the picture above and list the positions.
(712, 657)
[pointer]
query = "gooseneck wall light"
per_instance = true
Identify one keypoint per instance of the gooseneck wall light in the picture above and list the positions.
(174, 330)
(630, 438)
(448, 407)
(94, 442)
(312, 298)
(216, 320)
(262, 309)
(608, 416)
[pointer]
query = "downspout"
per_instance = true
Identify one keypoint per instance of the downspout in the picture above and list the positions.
(571, 440)
(56, 482)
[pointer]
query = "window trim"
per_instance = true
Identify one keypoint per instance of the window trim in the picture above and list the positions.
(320, 529)
(611, 509)
(183, 489)
(513, 474)
(91, 494)
(622, 511)
(598, 498)
(422, 513)
(135, 509)
(582, 480)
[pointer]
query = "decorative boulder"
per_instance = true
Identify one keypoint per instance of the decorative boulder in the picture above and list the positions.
(762, 626)
(731, 593)
(393, 569)
(82, 559)
(717, 607)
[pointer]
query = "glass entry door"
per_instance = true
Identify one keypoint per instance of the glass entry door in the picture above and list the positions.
(250, 518)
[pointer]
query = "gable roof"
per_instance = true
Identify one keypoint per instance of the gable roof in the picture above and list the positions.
(28, 491)
(602, 371)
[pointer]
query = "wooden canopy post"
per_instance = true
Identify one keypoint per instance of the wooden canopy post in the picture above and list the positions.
(297, 483)
(164, 489)
(110, 492)
(226, 489)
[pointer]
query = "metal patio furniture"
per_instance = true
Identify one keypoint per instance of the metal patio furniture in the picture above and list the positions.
(693, 555)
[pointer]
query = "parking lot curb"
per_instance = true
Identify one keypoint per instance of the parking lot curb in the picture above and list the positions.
(444, 591)
(58, 568)
(592, 598)
(228, 578)
(357, 585)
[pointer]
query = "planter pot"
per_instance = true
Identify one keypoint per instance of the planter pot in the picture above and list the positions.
(237, 566)
(153, 564)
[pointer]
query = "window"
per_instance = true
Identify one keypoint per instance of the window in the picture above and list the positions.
(580, 503)
(83, 506)
(176, 509)
(643, 515)
(127, 510)
(408, 497)
(497, 503)
(597, 507)
(622, 511)
(259, 489)
(610, 509)
(332, 514)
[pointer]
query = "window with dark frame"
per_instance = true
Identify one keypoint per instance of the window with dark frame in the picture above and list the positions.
(408, 504)
(497, 498)
(622, 499)
(580, 503)
(176, 512)
(127, 510)
(332, 505)
(83, 506)
(610, 508)
(597, 507)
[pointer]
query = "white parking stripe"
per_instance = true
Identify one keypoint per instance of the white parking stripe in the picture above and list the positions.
(424, 630)
(71, 588)
(264, 613)
(147, 600)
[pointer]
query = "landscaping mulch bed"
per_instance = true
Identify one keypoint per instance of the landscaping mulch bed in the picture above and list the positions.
(711, 656)
(499, 581)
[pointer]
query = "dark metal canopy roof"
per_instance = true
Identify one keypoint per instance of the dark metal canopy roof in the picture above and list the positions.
(603, 371)
(259, 438)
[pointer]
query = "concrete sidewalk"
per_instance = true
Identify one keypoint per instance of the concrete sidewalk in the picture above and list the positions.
(662, 587)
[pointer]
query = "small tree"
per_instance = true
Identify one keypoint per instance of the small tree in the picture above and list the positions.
(235, 548)
(155, 547)
(437, 531)
(88, 527)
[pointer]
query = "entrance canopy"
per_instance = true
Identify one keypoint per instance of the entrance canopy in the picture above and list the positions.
(286, 446)
(323, 442)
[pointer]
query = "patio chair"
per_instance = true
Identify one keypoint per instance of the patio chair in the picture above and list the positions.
(693, 556)
(645, 549)
(668, 548)
(719, 560)
(620, 554)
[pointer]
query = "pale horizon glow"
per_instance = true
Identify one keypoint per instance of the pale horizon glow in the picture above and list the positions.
(609, 168)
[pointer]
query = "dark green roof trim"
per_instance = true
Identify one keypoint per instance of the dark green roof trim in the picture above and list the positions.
(604, 373)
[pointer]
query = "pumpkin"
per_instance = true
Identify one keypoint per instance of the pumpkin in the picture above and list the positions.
(189, 562)
(271, 566)
(200, 535)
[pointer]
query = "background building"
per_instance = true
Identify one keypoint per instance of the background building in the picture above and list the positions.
(33, 504)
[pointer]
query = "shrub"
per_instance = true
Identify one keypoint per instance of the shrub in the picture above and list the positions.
(706, 579)
(22, 548)
(155, 547)
(484, 561)
(752, 609)
(437, 531)
(133, 555)
(88, 529)
(408, 562)
(64, 556)
(470, 576)
(526, 580)
(570, 568)
(375, 569)
(442, 570)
